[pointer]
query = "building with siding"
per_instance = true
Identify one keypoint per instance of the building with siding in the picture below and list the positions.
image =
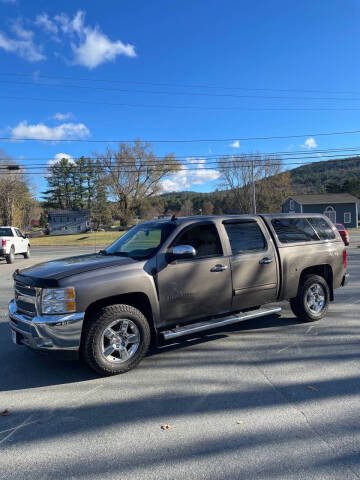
(63, 222)
(338, 207)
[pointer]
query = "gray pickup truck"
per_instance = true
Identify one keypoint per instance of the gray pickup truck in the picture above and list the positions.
(167, 278)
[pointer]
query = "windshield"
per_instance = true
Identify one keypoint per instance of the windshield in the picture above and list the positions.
(339, 226)
(6, 232)
(141, 241)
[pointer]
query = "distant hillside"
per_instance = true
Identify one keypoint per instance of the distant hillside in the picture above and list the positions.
(333, 176)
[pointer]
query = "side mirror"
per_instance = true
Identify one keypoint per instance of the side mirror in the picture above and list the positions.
(182, 251)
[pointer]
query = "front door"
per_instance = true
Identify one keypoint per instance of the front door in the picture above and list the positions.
(199, 286)
(253, 263)
(19, 242)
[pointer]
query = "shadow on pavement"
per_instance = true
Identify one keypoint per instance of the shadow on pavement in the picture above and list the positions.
(20, 368)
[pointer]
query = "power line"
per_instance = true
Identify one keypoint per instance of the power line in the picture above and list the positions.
(209, 156)
(32, 170)
(222, 160)
(159, 92)
(178, 85)
(240, 139)
(185, 107)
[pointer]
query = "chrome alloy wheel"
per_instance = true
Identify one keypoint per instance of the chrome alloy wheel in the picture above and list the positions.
(120, 340)
(315, 298)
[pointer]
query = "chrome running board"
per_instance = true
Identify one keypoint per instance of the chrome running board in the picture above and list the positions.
(194, 328)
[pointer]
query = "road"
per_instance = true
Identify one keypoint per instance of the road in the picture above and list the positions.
(267, 399)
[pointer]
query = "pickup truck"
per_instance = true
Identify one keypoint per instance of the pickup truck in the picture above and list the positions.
(167, 278)
(13, 242)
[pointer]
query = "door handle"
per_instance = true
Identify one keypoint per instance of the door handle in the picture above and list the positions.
(266, 260)
(218, 268)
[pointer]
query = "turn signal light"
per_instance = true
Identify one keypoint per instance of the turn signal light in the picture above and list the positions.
(70, 306)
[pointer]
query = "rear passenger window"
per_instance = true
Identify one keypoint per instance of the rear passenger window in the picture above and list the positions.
(245, 237)
(322, 227)
(292, 230)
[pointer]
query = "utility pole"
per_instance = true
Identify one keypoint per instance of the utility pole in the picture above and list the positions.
(253, 193)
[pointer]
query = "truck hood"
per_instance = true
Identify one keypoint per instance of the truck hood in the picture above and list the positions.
(66, 267)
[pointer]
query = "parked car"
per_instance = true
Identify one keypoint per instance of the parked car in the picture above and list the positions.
(167, 278)
(343, 233)
(13, 242)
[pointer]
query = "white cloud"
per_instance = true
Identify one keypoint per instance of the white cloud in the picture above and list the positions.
(23, 45)
(97, 49)
(62, 116)
(89, 45)
(60, 156)
(186, 177)
(40, 131)
(70, 26)
(19, 30)
(43, 20)
(309, 143)
(235, 144)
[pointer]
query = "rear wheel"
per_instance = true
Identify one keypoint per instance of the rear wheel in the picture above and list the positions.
(27, 253)
(312, 300)
(11, 256)
(115, 340)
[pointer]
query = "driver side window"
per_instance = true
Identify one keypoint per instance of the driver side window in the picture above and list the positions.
(204, 238)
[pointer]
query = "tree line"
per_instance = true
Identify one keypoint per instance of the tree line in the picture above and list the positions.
(126, 182)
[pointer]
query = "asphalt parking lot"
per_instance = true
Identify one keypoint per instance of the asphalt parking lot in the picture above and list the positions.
(268, 399)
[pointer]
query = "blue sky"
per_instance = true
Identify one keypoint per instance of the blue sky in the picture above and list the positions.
(258, 47)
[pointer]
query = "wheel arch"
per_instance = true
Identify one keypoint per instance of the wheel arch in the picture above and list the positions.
(137, 300)
(324, 271)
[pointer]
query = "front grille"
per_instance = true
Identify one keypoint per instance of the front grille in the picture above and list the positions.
(26, 307)
(25, 298)
(24, 290)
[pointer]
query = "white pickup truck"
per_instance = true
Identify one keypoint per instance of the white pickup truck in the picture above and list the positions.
(13, 242)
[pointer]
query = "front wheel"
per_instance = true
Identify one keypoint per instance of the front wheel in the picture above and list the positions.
(27, 253)
(115, 340)
(312, 300)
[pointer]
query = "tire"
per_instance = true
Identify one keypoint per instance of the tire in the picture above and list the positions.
(27, 253)
(11, 257)
(312, 288)
(106, 330)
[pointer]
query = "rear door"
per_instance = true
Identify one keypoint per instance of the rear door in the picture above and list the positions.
(195, 287)
(254, 263)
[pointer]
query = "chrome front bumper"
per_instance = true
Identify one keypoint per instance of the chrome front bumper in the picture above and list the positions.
(60, 333)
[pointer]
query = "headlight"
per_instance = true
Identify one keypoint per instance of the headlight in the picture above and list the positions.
(58, 300)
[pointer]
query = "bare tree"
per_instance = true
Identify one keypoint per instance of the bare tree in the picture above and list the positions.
(207, 208)
(16, 201)
(134, 173)
(241, 173)
(186, 209)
